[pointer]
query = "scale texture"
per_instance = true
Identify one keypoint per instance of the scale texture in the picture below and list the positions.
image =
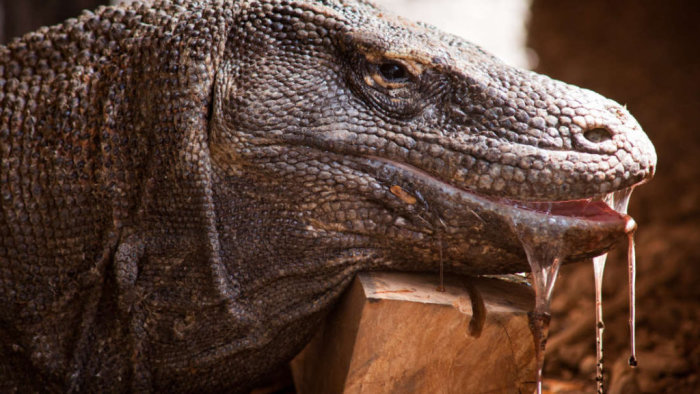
(187, 187)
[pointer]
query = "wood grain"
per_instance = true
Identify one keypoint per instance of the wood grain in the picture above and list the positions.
(395, 333)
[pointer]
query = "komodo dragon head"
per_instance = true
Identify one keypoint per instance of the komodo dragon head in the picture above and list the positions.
(244, 159)
(376, 139)
(344, 138)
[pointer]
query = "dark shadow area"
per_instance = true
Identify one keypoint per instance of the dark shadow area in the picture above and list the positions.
(21, 16)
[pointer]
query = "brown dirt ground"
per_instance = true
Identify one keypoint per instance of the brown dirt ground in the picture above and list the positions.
(643, 54)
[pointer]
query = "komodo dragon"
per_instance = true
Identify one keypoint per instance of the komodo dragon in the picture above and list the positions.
(187, 187)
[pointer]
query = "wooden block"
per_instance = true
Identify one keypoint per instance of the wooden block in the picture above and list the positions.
(395, 333)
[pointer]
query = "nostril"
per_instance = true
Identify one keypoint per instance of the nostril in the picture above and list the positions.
(598, 135)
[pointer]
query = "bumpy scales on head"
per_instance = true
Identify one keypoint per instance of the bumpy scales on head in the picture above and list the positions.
(186, 187)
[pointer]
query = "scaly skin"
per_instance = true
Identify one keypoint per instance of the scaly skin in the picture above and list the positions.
(187, 187)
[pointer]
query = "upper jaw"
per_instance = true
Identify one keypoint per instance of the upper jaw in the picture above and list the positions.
(521, 134)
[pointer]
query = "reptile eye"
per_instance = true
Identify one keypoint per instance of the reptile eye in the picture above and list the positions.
(393, 72)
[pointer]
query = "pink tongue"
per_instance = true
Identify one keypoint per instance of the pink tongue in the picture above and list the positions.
(586, 209)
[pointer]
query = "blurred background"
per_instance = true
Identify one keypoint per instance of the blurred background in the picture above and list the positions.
(643, 54)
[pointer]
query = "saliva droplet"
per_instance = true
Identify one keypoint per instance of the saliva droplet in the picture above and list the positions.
(598, 268)
(543, 247)
(620, 203)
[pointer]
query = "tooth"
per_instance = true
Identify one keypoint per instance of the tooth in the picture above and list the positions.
(609, 199)
(621, 199)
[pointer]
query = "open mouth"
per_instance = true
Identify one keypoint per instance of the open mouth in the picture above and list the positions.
(595, 209)
(587, 227)
(589, 209)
